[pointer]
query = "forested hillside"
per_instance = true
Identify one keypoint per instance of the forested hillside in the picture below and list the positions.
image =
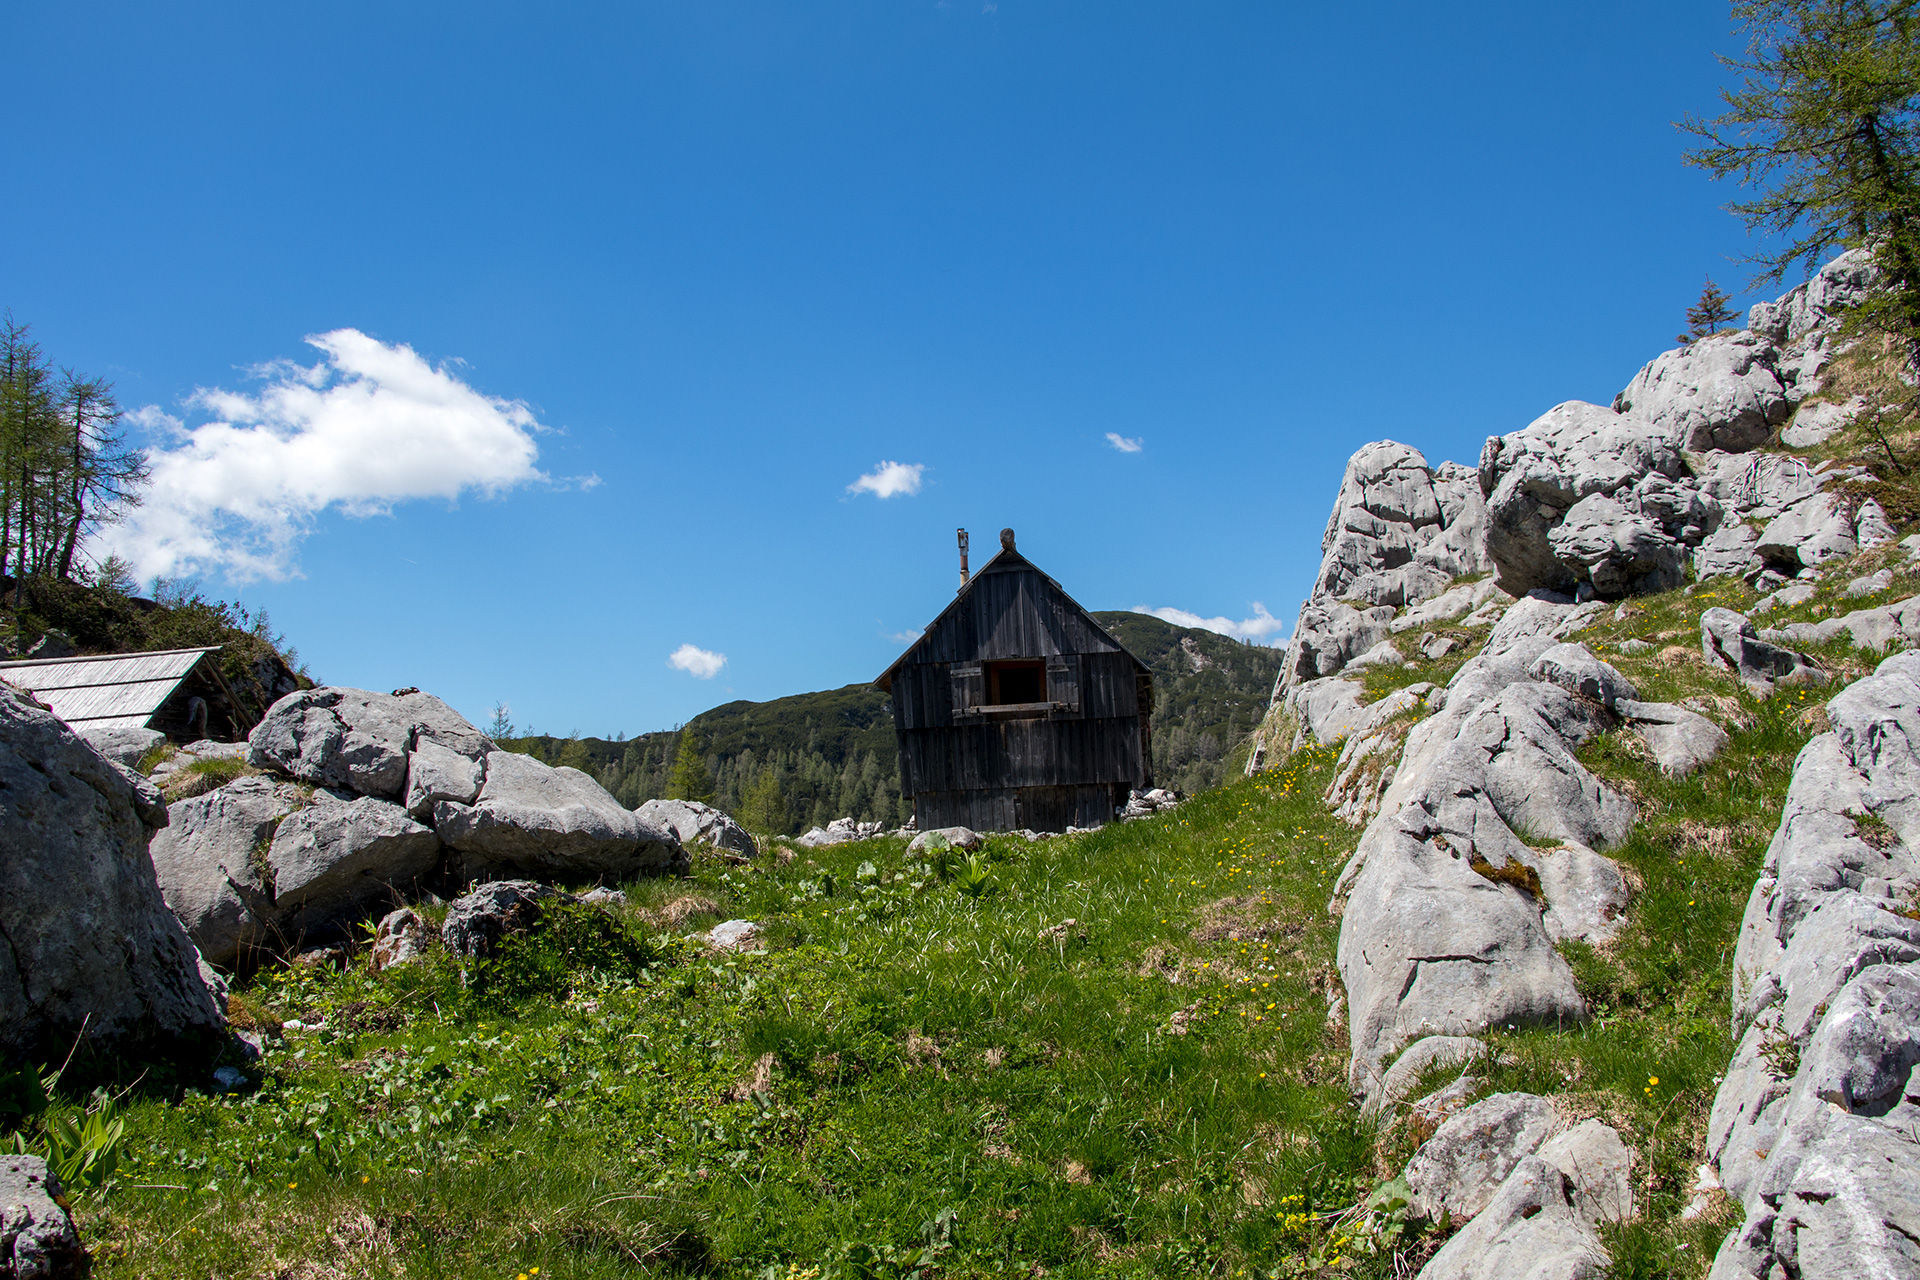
(804, 760)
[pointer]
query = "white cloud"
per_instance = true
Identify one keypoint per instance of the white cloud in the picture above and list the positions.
(1126, 445)
(902, 637)
(701, 664)
(1257, 628)
(890, 479)
(371, 425)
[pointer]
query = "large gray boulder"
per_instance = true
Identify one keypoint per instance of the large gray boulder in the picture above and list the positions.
(1721, 392)
(123, 744)
(335, 861)
(1457, 1171)
(37, 1236)
(531, 819)
(90, 941)
(695, 823)
(357, 740)
(211, 866)
(1532, 1229)
(1400, 531)
(1535, 476)
(1813, 1128)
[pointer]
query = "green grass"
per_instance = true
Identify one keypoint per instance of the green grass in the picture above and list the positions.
(1153, 1090)
(916, 1079)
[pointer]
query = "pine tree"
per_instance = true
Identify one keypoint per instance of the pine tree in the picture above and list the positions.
(1708, 316)
(690, 779)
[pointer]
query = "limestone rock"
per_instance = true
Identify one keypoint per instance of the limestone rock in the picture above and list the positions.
(37, 1236)
(400, 938)
(1586, 894)
(124, 745)
(1813, 1128)
(1721, 392)
(1870, 584)
(1534, 477)
(734, 935)
(1457, 602)
(1599, 1167)
(946, 838)
(436, 773)
(1531, 1230)
(477, 922)
(1726, 552)
(207, 869)
(1383, 654)
(1457, 1171)
(1728, 641)
(1387, 541)
(332, 861)
(90, 940)
(1574, 668)
(1420, 1057)
(1817, 423)
(695, 823)
(357, 740)
(532, 819)
(1809, 533)
(1681, 740)
(1867, 628)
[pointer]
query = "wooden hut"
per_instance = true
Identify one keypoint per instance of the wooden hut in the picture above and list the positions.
(1016, 709)
(179, 692)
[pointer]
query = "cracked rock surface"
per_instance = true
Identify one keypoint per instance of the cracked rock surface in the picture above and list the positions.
(85, 937)
(1814, 1128)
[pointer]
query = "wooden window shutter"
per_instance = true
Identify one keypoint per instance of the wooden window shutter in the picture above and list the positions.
(1063, 681)
(969, 687)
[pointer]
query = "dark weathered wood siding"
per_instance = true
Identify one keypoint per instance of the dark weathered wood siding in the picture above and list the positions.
(1071, 764)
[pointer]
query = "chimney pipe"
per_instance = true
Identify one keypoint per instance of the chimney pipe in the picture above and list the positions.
(963, 559)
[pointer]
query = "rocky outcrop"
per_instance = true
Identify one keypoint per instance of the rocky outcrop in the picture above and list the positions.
(1449, 917)
(89, 942)
(356, 740)
(1873, 629)
(373, 793)
(1401, 532)
(1728, 641)
(1530, 1190)
(400, 938)
(695, 823)
(122, 744)
(532, 819)
(964, 839)
(37, 1237)
(211, 867)
(1813, 1129)
(335, 860)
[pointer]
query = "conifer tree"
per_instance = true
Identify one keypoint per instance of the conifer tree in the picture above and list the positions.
(1824, 131)
(1708, 316)
(690, 779)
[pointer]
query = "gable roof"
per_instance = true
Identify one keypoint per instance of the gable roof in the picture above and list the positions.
(1004, 561)
(110, 691)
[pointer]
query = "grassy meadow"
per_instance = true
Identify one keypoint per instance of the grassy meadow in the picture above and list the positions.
(1107, 1054)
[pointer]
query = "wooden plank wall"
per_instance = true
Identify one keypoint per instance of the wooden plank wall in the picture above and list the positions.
(1046, 771)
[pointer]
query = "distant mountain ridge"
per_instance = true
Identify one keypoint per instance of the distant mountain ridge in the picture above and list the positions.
(835, 754)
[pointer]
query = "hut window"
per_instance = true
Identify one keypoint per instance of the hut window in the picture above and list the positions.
(1013, 683)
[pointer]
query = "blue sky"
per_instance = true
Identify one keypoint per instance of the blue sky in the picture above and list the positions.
(669, 278)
